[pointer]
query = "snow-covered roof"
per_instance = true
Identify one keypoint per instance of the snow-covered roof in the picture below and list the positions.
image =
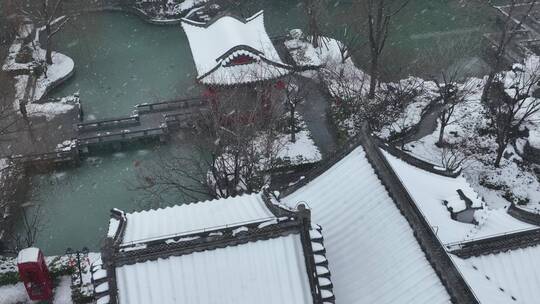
(215, 44)
(373, 254)
(179, 220)
(265, 272)
(430, 191)
(28, 255)
(507, 277)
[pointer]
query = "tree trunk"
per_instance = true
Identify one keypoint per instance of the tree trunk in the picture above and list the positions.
(487, 88)
(374, 71)
(500, 151)
(440, 142)
(48, 56)
(293, 126)
(313, 29)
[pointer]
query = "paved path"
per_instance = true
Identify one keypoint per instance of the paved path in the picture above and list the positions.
(38, 135)
(314, 110)
(427, 125)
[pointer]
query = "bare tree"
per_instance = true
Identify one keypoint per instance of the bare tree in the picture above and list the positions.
(512, 23)
(450, 96)
(388, 110)
(46, 14)
(453, 157)
(453, 88)
(512, 106)
(295, 93)
(314, 9)
(234, 143)
(379, 16)
(32, 224)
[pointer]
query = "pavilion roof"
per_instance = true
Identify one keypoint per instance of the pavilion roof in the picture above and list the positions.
(216, 44)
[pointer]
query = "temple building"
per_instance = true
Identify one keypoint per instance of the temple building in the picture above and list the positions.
(231, 50)
(244, 249)
(396, 230)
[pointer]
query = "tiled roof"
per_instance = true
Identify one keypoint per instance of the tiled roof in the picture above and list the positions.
(507, 277)
(265, 272)
(230, 250)
(186, 219)
(430, 191)
(373, 254)
(215, 44)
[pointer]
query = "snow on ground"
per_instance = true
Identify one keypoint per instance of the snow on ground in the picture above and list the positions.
(341, 77)
(348, 85)
(276, 152)
(184, 5)
(47, 109)
(10, 64)
(512, 181)
(16, 294)
(13, 294)
(3, 164)
(51, 109)
(412, 114)
(345, 82)
(169, 9)
(303, 150)
(62, 293)
(61, 68)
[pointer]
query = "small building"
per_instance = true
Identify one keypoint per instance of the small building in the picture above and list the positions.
(244, 249)
(34, 274)
(231, 50)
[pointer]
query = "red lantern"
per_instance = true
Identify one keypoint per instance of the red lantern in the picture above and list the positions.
(34, 274)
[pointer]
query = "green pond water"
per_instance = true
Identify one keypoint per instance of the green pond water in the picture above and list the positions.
(122, 61)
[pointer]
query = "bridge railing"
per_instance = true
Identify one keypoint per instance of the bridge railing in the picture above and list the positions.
(181, 119)
(122, 136)
(170, 105)
(108, 124)
(46, 157)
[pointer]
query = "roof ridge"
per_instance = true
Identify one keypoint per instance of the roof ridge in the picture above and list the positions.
(221, 15)
(192, 203)
(523, 215)
(323, 166)
(438, 258)
(497, 244)
(415, 161)
(206, 240)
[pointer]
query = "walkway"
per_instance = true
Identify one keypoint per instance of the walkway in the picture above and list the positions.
(314, 110)
(37, 135)
(64, 137)
(427, 125)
